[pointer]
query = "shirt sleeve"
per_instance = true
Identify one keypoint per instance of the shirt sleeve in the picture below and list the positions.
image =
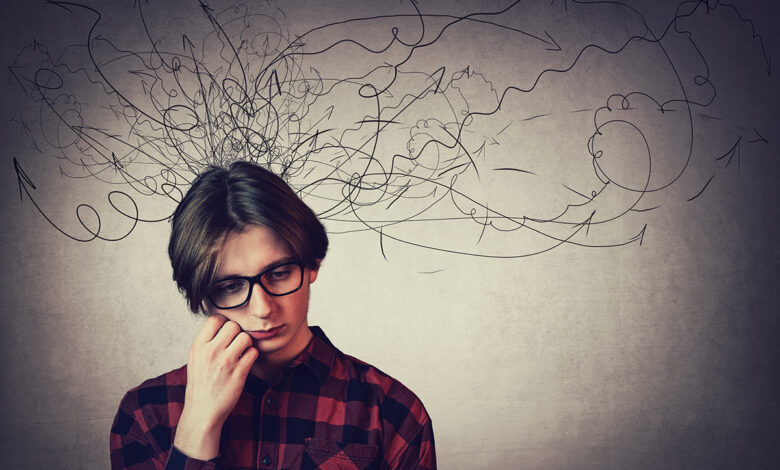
(138, 443)
(420, 453)
(408, 432)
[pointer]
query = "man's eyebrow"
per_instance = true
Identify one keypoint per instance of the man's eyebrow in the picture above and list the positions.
(271, 265)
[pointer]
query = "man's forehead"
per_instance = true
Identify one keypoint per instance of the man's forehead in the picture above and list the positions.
(253, 249)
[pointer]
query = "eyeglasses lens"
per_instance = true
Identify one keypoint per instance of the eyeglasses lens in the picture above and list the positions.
(281, 280)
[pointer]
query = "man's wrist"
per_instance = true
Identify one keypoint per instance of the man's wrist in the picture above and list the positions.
(198, 439)
(177, 460)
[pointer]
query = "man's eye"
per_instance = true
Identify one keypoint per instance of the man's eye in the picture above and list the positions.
(278, 274)
(227, 288)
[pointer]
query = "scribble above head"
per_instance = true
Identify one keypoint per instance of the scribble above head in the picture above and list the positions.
(519, 126)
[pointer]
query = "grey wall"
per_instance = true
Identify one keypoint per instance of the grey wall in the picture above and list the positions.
(645, 339)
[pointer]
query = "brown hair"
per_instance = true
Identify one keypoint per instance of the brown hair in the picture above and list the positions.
(223, 201)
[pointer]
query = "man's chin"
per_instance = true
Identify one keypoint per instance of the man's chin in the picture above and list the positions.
(267, 346)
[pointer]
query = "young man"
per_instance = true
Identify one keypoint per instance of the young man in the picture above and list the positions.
(262, 389)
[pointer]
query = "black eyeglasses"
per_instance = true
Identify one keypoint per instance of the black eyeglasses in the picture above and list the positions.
(234, 292)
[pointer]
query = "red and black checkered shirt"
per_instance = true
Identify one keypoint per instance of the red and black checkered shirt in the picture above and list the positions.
(327, 411)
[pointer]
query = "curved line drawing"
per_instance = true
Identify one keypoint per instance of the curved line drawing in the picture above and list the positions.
(397, 122)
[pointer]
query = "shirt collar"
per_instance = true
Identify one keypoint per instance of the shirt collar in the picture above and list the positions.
(318, 356)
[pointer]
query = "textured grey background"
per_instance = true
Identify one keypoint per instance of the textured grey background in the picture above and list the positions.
(662, 355)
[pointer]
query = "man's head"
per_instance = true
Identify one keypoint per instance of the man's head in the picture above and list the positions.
(224, 202)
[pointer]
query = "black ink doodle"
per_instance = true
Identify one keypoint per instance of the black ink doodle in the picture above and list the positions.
(520, 128)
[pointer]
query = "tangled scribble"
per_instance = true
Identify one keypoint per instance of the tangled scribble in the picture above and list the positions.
(512, 130)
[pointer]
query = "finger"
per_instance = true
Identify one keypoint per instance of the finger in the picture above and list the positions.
(226, 334)
(239, 344)
(247, 359)
(210, 328)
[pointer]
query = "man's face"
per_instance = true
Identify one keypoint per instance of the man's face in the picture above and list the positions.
(278, 325)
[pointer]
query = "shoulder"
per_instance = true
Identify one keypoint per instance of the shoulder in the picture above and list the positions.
(365, 382)
(353, 381)
(405, 428)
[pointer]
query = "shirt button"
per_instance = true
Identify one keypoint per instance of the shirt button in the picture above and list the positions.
(266, 460)
(269, 402)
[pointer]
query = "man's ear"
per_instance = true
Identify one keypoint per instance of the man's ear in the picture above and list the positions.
(314, 271)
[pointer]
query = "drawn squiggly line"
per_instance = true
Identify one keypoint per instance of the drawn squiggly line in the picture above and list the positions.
(237, 94)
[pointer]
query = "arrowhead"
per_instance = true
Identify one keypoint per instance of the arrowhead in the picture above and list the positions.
(440, 73)
(117, 164)
(275, 77)
(22, 179)
(641, 235)
(586, 223)
(555, 46)
(481, 150)
(761, 138)
(185, 41)
(59, 4)
(205, 7)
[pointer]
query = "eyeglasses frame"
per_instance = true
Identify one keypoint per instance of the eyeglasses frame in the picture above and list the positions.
(256, 280)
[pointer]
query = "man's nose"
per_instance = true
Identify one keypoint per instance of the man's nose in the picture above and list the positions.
(260, 303)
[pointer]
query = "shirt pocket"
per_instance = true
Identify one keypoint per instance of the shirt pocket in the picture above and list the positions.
(331, 455)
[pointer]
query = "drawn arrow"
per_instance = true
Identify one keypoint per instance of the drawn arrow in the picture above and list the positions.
(734, 151)
(440, 73)
(275, 78)
(22, 180)
(25, 183)
(556, 47)
(481, 151)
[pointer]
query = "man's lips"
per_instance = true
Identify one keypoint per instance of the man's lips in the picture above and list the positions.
(265, 334)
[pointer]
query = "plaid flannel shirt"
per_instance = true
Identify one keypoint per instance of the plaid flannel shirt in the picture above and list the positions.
(327, 411)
